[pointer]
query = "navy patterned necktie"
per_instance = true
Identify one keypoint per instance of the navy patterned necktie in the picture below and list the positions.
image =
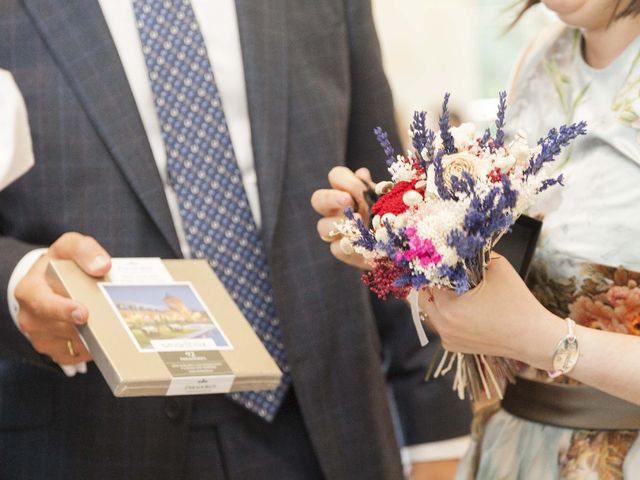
(202, 170)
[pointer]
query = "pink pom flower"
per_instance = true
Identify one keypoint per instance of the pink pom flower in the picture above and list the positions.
(421, 249)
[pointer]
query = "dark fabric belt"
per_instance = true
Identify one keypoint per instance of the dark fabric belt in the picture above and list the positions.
(578, 407)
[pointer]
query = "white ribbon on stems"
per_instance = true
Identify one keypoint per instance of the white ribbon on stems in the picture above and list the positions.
(412, 298)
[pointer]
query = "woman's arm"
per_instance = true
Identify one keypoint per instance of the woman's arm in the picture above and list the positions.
(501, 317)
(610, 362)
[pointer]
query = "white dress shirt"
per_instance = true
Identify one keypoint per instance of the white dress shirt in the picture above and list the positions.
(222, 40)
(16, 155)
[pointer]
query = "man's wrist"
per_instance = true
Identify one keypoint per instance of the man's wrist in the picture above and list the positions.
(19, 272)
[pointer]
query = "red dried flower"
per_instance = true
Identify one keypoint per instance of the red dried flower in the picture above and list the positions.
(495, 175)
(391, 202)
(381, 279)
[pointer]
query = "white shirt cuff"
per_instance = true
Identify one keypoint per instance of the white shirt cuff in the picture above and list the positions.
(450, 449)
(72, 370)
(16, 152)
(20, 270)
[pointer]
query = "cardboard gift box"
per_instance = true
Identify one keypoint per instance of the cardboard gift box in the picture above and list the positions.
(166, 327)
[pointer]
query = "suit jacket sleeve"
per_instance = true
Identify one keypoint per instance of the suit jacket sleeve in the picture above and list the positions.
(427, 411)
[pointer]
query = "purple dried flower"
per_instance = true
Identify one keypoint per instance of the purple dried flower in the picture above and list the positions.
(499, 222)
(485, 138)
(394, 243)
(550, 182)
(443, 190)
(489, 200)
(443, 122)
(485, 218)
(466, 184)
(423, 138)
(418, 280)
(457, 275)
(366, 240)
(552, 145)
(467, 245)
(430, 139)
(509, 194)
(419, 130)
(502, 107)
(403, 280)
(474, 220)
(383, 140)
(458, 186)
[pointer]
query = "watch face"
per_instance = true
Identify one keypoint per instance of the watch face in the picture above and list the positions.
(566, 354)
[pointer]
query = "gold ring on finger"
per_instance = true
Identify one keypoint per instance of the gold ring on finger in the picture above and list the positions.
(71, 350)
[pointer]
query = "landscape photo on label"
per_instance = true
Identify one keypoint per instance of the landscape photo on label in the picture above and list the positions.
(165, 317)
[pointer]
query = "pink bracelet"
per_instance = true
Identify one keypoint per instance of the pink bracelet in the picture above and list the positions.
(566, 353)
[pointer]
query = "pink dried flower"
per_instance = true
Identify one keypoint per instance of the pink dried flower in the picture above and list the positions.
(421, 248)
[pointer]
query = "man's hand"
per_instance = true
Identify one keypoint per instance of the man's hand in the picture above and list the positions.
(438, 470)
(347, 190)
(48, 318)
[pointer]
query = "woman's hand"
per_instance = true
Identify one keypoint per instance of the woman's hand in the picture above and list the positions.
(347, 190)
(499, 317)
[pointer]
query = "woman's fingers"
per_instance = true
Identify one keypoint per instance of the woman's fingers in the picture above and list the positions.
(327, 230)
(341, 178)
(329, 203)
(365, 175)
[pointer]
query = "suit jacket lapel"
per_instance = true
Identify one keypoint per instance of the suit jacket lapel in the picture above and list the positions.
(264, 51)
(79, 39)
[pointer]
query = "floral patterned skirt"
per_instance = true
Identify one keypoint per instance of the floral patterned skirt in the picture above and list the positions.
(511, 448)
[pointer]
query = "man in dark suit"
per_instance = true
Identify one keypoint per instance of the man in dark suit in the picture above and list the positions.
(119, 153)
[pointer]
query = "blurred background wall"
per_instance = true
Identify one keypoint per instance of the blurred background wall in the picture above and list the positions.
(459, 46)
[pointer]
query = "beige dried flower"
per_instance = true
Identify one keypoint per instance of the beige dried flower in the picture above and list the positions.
(456, 164)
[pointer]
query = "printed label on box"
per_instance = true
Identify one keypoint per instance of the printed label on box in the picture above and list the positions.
(195, 363)
(198, 372)
(201, 385)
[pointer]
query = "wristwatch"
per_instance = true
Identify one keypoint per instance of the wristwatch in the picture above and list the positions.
(566, 353)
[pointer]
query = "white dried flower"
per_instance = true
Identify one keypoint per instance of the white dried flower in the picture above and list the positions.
(463, 135)
(402, 171)
(382, 235)
(411, 198)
